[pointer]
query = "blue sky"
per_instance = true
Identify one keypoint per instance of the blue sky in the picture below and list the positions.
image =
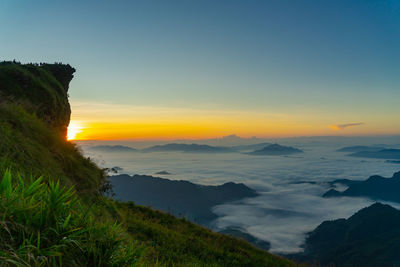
(334, 61)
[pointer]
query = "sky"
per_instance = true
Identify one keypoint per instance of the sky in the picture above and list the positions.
(202, 69)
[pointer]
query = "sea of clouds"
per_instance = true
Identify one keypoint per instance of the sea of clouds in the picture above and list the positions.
(290, 202)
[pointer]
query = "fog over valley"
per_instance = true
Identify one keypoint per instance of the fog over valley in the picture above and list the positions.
(290, 187)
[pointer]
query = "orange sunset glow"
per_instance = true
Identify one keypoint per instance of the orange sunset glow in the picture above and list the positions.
(74, 129)
(107, 122)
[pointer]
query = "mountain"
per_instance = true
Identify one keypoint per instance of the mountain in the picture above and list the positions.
(371, 237)
(117, 148)
(380, 154)
(249, 147)
(276, 150)
(354, 149)
(163, 173)
(393, 161)
(375, 187)
(53, 199)
(189, 148)
(180, 198)
(34, 116)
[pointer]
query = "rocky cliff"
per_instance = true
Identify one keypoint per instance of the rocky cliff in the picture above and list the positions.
(41, 89)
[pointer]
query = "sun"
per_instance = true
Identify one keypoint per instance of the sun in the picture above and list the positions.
(74, 128)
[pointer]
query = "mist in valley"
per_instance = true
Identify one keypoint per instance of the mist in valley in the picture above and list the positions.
(290, 188)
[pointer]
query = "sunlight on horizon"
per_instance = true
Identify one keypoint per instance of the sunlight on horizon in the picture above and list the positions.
(74, 129)
(113, 121)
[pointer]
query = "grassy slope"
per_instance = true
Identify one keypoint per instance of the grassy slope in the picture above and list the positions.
(32, 143)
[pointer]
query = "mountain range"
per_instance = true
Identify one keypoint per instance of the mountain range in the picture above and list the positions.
(377, 152)
(375, 187)
(116, 148)
(180, 198)
(188, 148)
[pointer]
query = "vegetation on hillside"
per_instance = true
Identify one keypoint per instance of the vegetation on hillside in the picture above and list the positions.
(371, 237)
(46, 225)
(31, 146)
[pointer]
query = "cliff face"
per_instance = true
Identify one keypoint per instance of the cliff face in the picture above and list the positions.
(40, 89)
(34, 116)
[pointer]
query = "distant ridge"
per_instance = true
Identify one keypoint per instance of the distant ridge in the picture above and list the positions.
(181, 198)
(375, 187)
(360, 149)
(163, 173)
(276, 150)
(180, 147)
(250, 147)
(117, 148)
(188, 148)
(380, 154)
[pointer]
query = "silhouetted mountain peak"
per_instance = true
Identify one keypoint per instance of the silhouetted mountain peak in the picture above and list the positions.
(370, 237)
(276, 149)
(375, 187)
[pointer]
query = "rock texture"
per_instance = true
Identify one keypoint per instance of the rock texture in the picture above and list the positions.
(41, 89)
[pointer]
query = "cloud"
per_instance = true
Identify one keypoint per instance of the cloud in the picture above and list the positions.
(343, 126)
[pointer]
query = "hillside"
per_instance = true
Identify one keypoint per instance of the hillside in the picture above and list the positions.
(180, 198)
(375, 187)
(364, 239)
(63, 218)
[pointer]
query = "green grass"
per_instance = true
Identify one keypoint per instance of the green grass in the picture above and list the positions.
(30, 145)
(44, 224)
(178, 242)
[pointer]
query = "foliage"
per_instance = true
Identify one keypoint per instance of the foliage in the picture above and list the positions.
(46, 225)
(178, 242)
(29, 145)
(38, 90)
(371, 237)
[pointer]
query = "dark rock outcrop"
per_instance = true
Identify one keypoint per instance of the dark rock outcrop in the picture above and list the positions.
(41, 89)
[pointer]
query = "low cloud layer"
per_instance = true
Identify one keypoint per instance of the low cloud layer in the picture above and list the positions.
(337, 127)
(290, 202)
